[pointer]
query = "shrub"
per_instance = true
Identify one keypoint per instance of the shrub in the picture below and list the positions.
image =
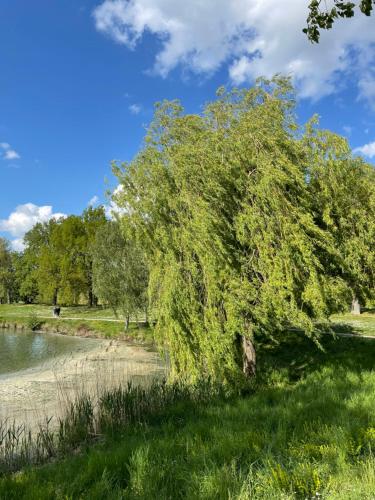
(33, 322)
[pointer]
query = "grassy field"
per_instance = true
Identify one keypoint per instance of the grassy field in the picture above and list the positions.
(305, 429)
(360, 325)
(68, 312)
(78, 320)
(102, 322)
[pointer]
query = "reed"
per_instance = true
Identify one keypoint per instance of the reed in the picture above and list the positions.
(90, 411)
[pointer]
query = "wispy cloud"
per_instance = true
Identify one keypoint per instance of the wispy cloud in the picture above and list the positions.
(9, 153)
(347, 129)
(367, 150)
(135, 109)
(93, 201)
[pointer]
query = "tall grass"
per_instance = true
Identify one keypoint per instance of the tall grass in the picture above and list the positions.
(89, 418)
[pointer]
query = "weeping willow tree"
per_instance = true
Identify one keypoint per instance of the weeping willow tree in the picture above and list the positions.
(222, 205)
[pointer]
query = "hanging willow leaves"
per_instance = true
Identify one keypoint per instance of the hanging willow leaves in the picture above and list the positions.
(222, 204)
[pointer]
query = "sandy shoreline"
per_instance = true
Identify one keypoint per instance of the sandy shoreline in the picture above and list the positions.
(31, 395)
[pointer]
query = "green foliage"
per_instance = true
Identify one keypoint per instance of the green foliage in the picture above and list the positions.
(343, 203)
(94, 220)
(120, 275)
(226, 207)
(57, 262)
(28, 271)
(323, 19)
(77, 320)
(5, 271)
(33, 322)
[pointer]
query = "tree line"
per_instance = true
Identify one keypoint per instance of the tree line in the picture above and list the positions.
(76, 260)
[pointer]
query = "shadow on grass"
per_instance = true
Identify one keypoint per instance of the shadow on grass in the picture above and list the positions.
(370, 310)
(294, 355)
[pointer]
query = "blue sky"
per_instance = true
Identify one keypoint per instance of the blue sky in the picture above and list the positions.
(78, 79)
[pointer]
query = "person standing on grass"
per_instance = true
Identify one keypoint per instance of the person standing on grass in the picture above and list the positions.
(56, 312)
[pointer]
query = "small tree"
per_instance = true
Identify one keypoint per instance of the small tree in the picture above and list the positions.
(119, 272)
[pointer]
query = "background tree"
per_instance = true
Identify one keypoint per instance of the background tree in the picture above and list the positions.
(28, 270)
(119, 272)
(57, 262)
(16, 266)
(67, 251)
(343, 195)
(323, 19)
(6, 271)
(93, 220)
(48, 272)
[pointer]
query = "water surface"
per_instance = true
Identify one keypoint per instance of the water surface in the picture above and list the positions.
(22, 350)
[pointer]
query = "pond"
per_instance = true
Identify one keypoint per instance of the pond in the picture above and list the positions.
(22, 350)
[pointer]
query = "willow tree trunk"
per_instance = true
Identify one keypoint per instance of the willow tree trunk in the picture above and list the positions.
(356, 307)
(249, 357)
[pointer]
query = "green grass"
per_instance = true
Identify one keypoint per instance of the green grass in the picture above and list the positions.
(360, 325)
(85, 328)
(93, 319)
(305, 428)
(46, 310)
(84, 321)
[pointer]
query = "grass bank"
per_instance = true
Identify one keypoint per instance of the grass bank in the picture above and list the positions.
(80, 320)
(305, 429)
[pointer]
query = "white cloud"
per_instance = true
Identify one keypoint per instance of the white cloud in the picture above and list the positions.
(135, 109)
(367, 149)
(18, 245)
(252, 37)
(24, 218)
(112, 209)
(347, 129)
(366, 86)
(9, 153)
(94, 200)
